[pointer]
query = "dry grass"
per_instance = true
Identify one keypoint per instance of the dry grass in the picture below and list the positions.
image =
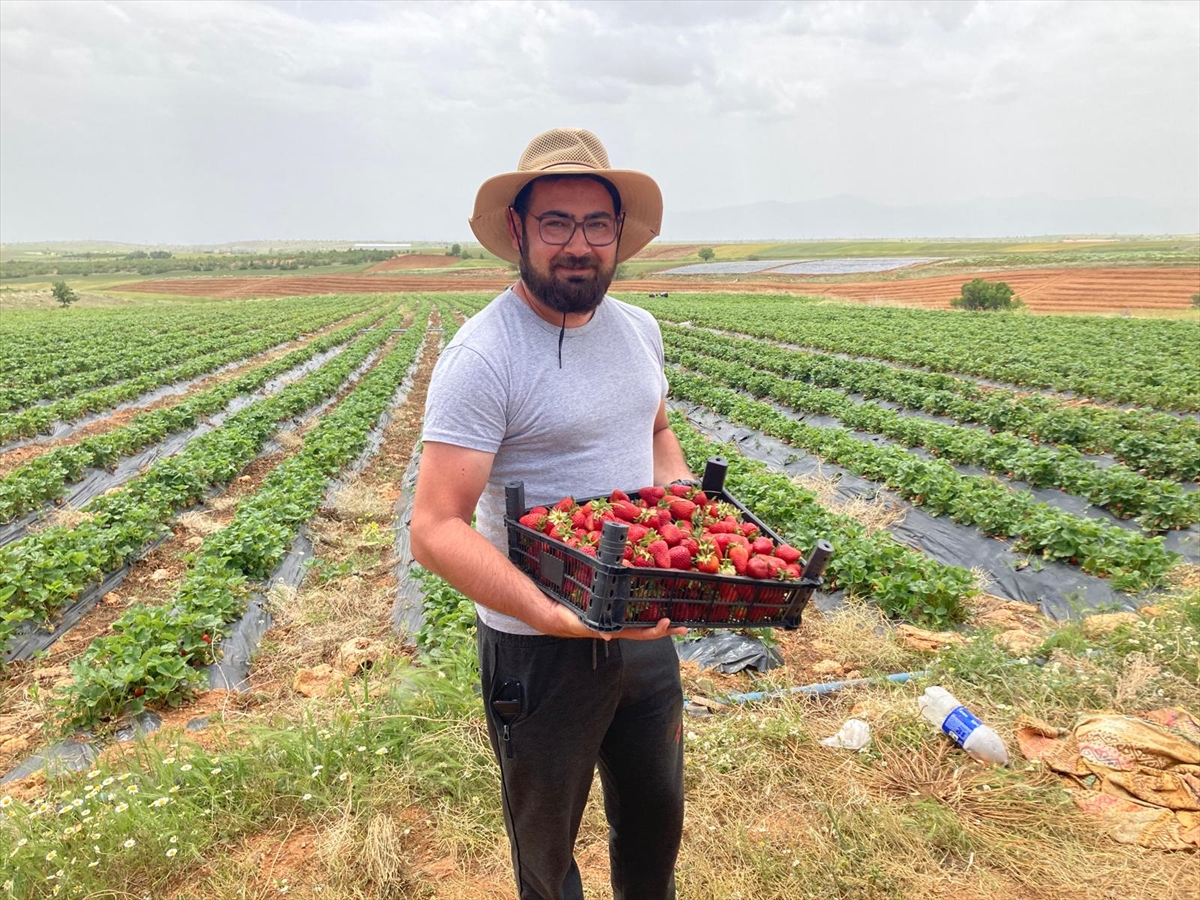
(64, 517)
(289, 440)
(874, 515)
(358, 502)
(199, 524)
(861, 638)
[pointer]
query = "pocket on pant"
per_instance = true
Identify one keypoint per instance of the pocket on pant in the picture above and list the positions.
(508, 705)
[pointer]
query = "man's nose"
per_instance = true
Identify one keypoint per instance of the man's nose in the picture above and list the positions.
(578, 245)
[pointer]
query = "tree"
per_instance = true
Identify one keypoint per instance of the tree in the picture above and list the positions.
(706, 253)
(981, 294)
(455, 250)
(1196, 300)
(63, 294)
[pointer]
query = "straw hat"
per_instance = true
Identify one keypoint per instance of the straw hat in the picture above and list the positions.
(567, 151)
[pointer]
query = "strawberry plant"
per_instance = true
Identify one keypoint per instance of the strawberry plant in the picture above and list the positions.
(153, 654)
(1132, 561)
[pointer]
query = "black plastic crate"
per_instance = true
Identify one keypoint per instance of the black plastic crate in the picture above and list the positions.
(607, 595)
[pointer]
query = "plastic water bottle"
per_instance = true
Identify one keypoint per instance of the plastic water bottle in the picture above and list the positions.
(942, 709)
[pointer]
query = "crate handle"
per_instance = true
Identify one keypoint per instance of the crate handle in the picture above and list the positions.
(714, 475)
(818, 560)
(514, 499)
(612, 543)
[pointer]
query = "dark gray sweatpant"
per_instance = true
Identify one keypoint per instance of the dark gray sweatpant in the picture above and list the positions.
(583, 703)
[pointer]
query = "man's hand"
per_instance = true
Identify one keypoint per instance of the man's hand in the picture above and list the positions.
(567, 624)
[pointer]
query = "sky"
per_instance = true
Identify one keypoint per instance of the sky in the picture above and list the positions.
(207, 122)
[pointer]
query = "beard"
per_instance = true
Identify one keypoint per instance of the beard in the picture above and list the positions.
(572, 284)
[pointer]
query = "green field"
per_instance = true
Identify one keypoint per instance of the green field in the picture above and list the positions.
(367, 792)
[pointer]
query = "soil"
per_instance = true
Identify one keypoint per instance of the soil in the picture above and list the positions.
(414, 261)
(1108, 290)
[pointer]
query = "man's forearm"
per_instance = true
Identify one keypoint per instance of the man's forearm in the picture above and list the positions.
(669, 461)
(474, 567)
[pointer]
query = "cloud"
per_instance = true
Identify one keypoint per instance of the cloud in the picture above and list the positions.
(342, 118)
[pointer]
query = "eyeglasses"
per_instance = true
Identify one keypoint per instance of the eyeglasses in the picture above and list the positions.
(598, 231)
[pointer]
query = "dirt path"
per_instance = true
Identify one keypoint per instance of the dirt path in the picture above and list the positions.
(1111, 290)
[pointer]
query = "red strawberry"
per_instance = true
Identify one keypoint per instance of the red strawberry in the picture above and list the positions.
(699, 498)
(774, 563)
(757, 567)
(652, 494)
(566, 504)
(749, 529)
(661, 553)
(721, 539)
(616, 495)
(680, 490)
(691, 544)
(589, 549)
(625, 510)
(682, 509)
(724, 526)
(637, 532)
(793, 570)
(787, 553)
(530, 520)
(739, 556)
(762, 545)
(671, 534)
(708, 558)
(680, 558)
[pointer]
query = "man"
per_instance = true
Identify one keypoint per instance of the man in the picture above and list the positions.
(560, 386)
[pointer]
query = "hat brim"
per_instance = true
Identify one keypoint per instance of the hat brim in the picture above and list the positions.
(641, 201)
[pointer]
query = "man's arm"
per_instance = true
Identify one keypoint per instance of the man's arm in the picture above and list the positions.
(669, 461)
(449, 484)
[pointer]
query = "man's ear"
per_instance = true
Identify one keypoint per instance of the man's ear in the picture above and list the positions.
(514, 228)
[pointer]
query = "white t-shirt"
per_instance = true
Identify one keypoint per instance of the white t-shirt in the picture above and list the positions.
(581, 430)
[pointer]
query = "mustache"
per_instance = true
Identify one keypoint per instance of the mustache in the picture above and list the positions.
(570, 261)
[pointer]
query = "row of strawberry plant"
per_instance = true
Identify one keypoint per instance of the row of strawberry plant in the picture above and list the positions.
(152, 653)
(1131, 560)
(30, 421)
(902, 582)
(45, 477)
(43, 354)
(1158, 444)
(127, 363)
(41, 345)
(1146, 361)
(1157, 504)
(46, 570)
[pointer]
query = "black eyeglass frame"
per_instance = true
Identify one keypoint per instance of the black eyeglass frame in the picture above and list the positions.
(618, 223)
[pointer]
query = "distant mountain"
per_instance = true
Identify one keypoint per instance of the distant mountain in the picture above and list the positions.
(845, 216)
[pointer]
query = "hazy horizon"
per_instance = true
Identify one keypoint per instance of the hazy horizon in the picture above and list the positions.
(165, 123)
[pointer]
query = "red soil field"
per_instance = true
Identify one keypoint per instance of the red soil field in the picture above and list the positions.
(669, 251)
(414, 261)
(1111, 290)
